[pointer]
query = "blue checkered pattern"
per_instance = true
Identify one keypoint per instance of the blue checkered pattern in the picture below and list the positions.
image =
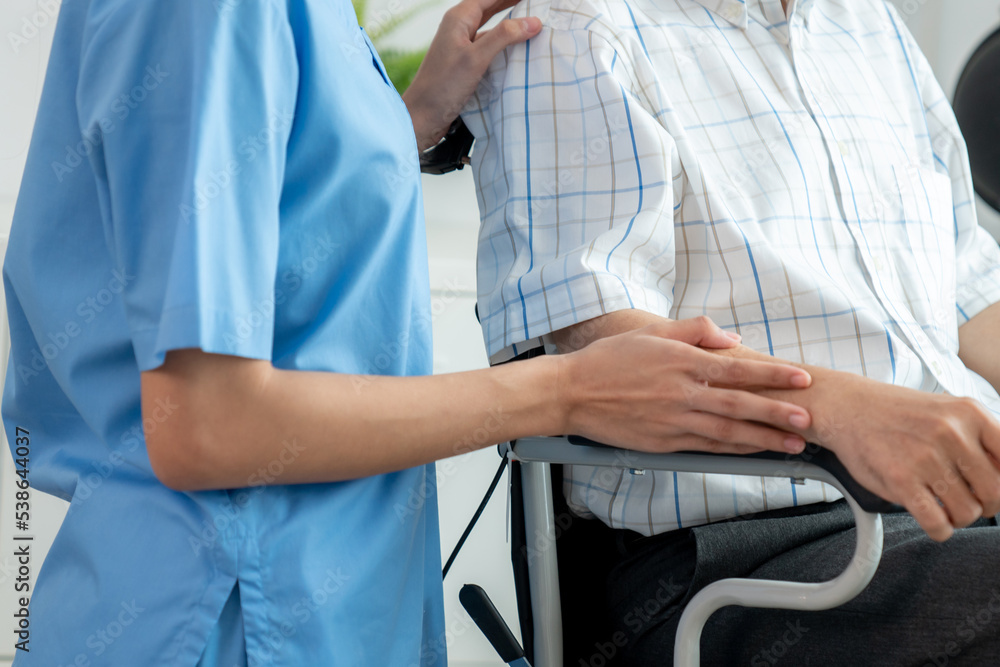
(800, 180)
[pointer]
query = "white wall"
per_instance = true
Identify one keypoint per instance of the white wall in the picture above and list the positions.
(453, 222)
(948, 33)
(22, 68)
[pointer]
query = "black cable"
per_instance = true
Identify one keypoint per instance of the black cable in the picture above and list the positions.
(475, 517)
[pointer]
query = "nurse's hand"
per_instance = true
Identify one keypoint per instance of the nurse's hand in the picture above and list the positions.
(659, 389)
(456, 60)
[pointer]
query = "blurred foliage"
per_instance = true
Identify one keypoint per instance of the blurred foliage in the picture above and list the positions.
(401, 65)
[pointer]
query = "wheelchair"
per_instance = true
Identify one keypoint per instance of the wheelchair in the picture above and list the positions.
(558, 625)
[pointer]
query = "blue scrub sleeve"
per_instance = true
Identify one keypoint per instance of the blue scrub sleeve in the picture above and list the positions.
(186, 109)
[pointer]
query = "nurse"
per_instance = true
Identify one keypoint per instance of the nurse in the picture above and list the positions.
(220, 322)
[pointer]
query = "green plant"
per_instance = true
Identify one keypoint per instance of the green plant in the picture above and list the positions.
(401, 65)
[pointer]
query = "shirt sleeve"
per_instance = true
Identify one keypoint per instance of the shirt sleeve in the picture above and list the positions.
(186, 108)
(574, 178)
(977, 254)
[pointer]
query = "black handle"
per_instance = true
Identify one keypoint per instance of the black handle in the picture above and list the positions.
(481, 609)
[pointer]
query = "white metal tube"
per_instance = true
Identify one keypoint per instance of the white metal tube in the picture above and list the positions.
(784, 594)
(543, 567)
(534, 453)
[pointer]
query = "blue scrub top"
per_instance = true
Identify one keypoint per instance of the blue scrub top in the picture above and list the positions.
(237, 176)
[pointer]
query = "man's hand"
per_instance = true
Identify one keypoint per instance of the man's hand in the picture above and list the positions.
(669, 403)
(911, 447)
(455, 62)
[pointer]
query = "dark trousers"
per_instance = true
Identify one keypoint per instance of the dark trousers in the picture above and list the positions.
(930, 604)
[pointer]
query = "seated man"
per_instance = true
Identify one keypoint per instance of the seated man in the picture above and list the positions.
(792, 170)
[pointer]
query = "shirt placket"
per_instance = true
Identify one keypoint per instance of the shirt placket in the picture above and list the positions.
(881, 276)
(772, 14)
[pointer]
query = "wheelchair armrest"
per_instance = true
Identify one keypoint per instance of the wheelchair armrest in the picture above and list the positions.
(582, 451)
(814, 454)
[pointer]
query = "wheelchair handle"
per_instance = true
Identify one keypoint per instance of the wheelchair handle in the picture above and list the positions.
(481, 609)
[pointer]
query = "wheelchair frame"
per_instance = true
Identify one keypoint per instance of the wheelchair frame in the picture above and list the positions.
(536, 455)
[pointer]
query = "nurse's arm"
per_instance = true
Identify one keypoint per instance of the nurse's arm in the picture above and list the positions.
(233, 420)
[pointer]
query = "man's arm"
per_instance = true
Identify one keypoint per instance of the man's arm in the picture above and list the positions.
(910, 447)
(978, 348)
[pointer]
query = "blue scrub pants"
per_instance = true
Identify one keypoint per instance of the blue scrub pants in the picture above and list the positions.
(227, 645)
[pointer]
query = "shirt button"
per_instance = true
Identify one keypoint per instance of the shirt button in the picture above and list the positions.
(879, 264)
(845, 148)
(733, 11)
(937, 367)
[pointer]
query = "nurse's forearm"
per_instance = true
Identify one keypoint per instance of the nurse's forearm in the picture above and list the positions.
(235, 421)
(232, 420)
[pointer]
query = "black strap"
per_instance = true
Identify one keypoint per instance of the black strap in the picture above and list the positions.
(450, 153)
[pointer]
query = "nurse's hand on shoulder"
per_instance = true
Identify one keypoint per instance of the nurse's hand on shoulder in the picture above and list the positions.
(658, 389)
(456, 60)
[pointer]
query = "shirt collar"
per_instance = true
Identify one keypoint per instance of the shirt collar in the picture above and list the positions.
(735, 11)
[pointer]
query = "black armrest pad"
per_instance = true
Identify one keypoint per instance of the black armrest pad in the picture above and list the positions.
(813, 454)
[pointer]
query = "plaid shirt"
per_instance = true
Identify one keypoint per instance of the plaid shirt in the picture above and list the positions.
(800, 180)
